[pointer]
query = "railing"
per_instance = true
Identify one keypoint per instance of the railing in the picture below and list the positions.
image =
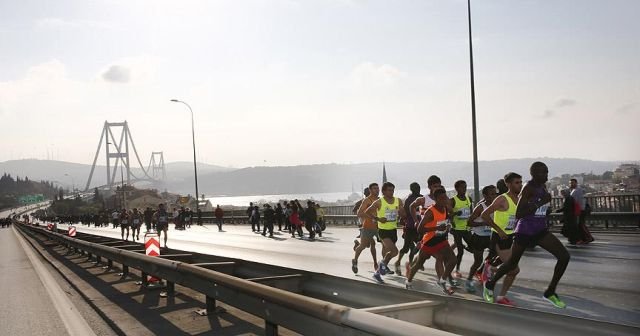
(608, 212)
(277, 307)
(380, 310)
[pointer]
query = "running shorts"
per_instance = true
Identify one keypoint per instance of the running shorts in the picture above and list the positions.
(502, 244)
(530, 240)
(480, 243)
(432, 250)
(390, 234)
(369, 233)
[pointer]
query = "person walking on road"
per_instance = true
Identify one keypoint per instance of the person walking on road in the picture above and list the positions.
(219, 214)
(582, 212)
(269, 218)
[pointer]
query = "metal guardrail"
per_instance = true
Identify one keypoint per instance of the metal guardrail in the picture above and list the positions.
(332, 305)
(296, 312)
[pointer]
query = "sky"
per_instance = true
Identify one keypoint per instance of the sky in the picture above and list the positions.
(332, 81)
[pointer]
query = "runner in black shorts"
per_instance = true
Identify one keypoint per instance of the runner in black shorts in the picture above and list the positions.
(161, 218)
(481, 233)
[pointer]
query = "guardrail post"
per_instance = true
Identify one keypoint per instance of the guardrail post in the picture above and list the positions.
(144, 281)
(125, 271)
(88, 256)
(109, 264)
(211, 305)
(270, 329)
(98, 260)
(171, 288)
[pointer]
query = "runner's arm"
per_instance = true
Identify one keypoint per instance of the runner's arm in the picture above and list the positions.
(414, 206)
(474, 215)
(401, 211)
(428, 217)
(372, 211)
(498, 204)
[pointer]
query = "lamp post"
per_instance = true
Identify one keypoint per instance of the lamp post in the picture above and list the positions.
(476, 182)
(193, 138)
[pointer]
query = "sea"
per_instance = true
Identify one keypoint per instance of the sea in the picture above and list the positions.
(332, 198)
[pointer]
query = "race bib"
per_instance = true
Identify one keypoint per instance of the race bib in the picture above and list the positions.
(187, 218)
(136, 221)
(441, 232)
(125, 222)
(391, 215)
(465, 213)
(162, 219)
(542, 210)
(512, 223)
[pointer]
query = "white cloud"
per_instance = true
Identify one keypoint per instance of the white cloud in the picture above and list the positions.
(371, 75)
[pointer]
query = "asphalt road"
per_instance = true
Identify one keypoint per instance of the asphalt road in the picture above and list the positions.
(599, 282)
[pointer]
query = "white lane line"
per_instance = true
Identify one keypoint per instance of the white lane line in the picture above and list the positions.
(69, 314)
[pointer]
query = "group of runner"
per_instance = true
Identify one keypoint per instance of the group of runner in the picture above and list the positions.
(508, 219)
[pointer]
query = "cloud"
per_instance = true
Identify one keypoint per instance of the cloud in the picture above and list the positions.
(117, 74)
(624, 109)
(369, 74)
(564, 102)
(548, 114)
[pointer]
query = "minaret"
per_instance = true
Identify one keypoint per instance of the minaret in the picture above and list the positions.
(384, 173)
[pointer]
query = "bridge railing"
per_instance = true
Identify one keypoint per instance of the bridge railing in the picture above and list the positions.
(608, 212)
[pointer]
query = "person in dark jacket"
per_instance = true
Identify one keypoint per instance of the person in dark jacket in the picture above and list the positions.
(310, 217)
(269, 217)
(569, 218)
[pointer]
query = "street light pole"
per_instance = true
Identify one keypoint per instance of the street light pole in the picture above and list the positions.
(476, 182)
(193, 138)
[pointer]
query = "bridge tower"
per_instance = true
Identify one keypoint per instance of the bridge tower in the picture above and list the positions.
(117, 154)
(156, 166)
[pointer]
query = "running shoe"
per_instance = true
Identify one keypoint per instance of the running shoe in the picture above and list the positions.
(398, 270)
(354, 266)
(453, 282)
(457, 274)
(408, 285)
(505, 301)
(378, 278)
(555, 300)
(470, 287)
(486, 272)
(446, 288)
(407, 268)
(382, 268)
(487, 293)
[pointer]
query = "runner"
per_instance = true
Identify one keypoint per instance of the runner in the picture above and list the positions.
(433, 227)
(124, 223)
(369, 228)
(410, 232)
(481, 234)
(148, 218)
(531, 229)
(502, 225)
(418, 206)
(115, 217)
(161, 220)
(461, 210)
(387, 211)
(136, 222)
(355, 209)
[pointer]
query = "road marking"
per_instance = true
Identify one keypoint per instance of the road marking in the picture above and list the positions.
(69, 314)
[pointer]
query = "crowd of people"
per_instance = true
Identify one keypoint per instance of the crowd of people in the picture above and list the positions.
(290, 214)
(510, 218)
